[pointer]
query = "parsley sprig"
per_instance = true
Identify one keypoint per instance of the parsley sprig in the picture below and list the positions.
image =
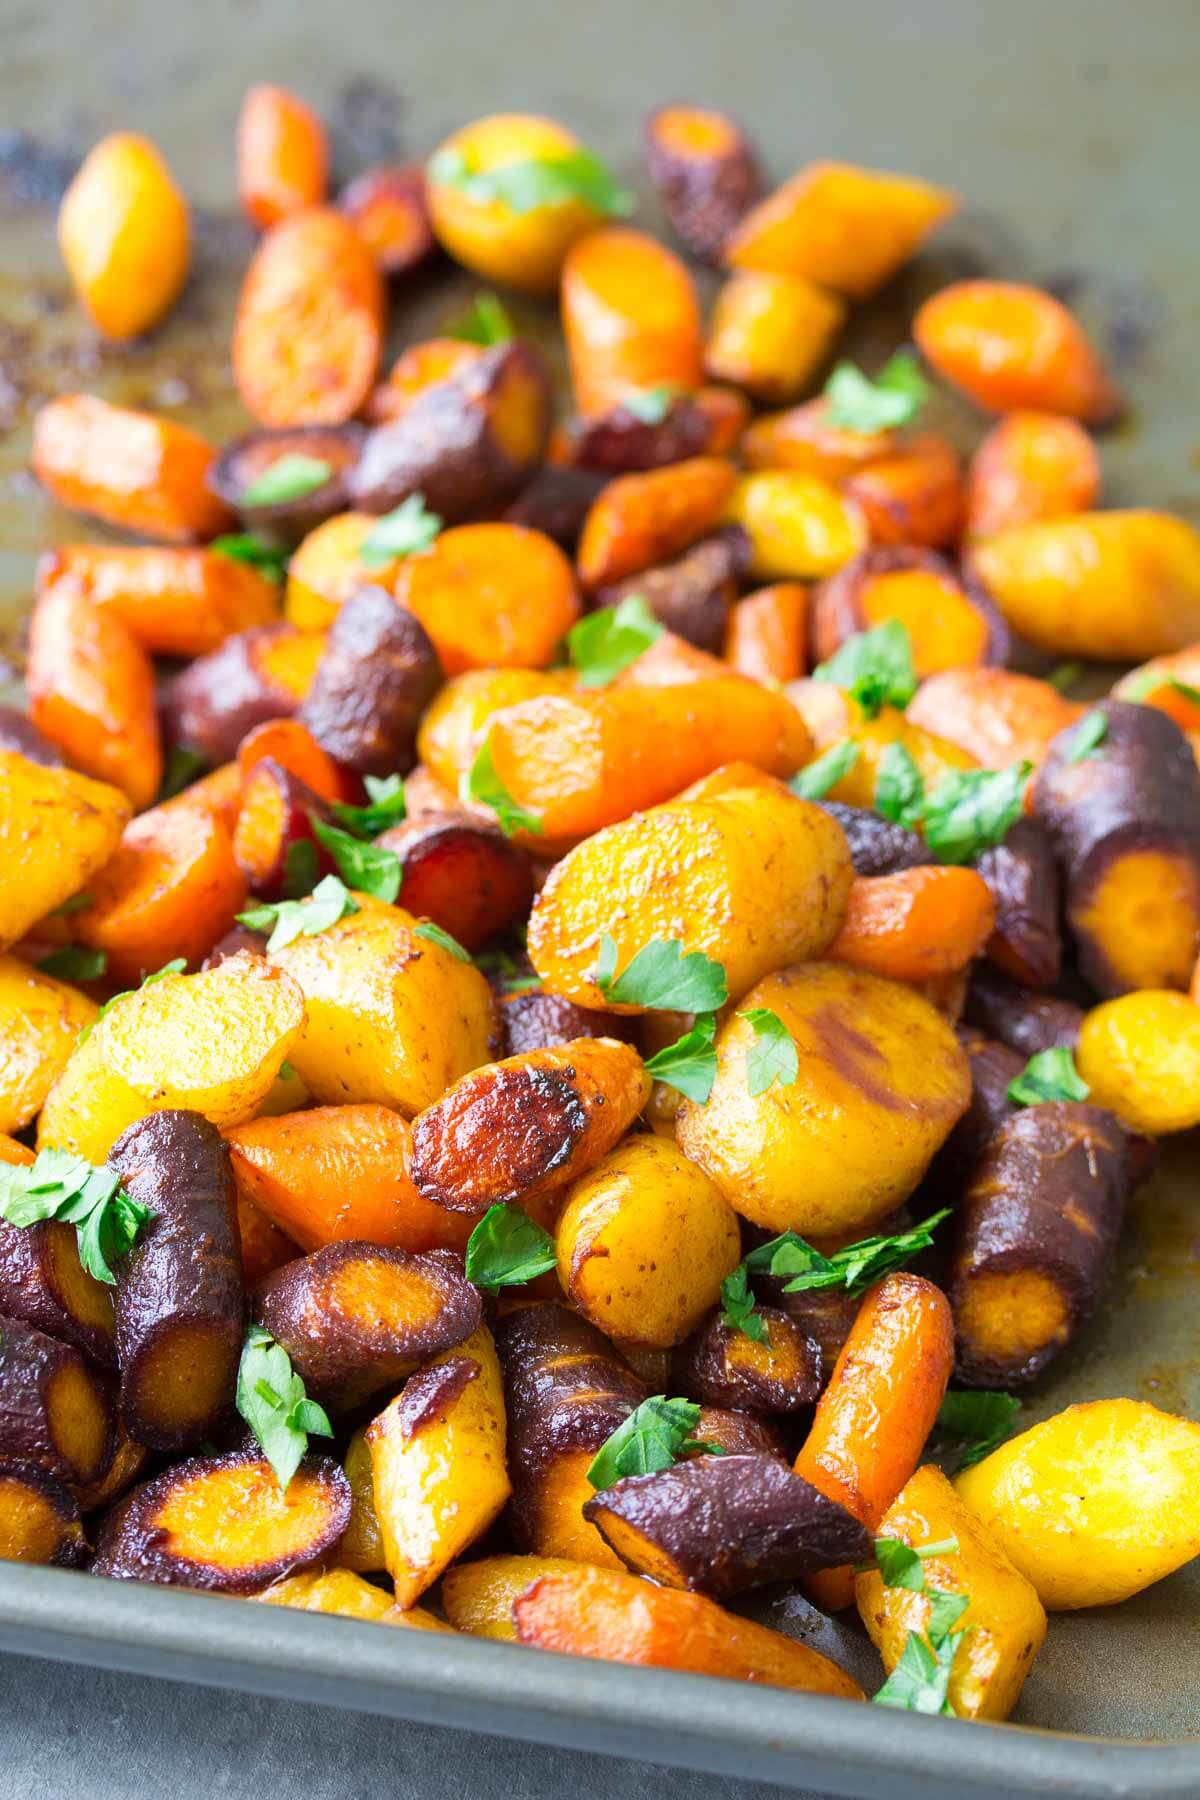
(485, 322)
(1048, 1075)
(272, 1400)
(825, 771)
(662, 977)
(409, 528)
(60, 1185)
(973, 1422)
(968, 812)
(74, 962)
(651, 405)
(1088, 735)
(874, 667)
(286, 920)
(290, 477)
(507, 1248)
(248, 547)
(367, 867)
(386, 807)
(436, 934)
(655, 1435)
(535, 182)
(920, 1681)
(481, 783)
(894, 398)
(772, 1055)
(606, 641)
(690, 1063)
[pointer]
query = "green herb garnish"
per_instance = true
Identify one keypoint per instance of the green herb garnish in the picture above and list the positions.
(690, 1063)
(899, 787)
(286, 920)
(655, 1435)
(301, 869)
(825, 771)
(74, 962)
(245, 546)
(292, 477)
(1049, 1075)
(651, 405)
(739, 1309)
(485, 322)
(894, 398)
(272, 1400)
(973, 810)
(385, 809)
(481, 783)
(979, 1420)
(874, 667)
(1090, 732)
(534, 182)
(507, 1249)
(435, 935)
(1064, 675)
(1148, 681)
(59, 1185)
(403, 532)
(662, 978)
(772, 1055)
(366, 867)
(608, 640)
(920, 1681)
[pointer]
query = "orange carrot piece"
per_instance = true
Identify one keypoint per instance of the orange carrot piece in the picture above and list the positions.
(801, 438)
(143, 474)
(91, 691)
(706, 174)
(325, 570)
(288, 742)
(125, 235)
(218, 794)
(616, 1617)
(264, 1247)
(419, 367)
(996, 715)
(491, 596)
(1157, 683)
(341, 1172)
(916, 925)
(640, 520)
(914, 496)
(172, 889)
(309, 325)
(767, 634)
(13, 1152)
(1031, 466)
(1007, 346)
(871, 1423)
(176, 602)
(387, 208)
(771, 333)
(630, 316)
(668, 661)
(282, 156)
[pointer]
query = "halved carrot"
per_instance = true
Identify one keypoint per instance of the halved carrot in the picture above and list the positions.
(491, 596)
(415, 369)
(141, 473)
(291, 744)
(630, 316)
(282, 155)
(915, 925)
(176, 602)
(172, 889)
(279, 813)
(617, 1617)
(949, 620)
(1007, 345)
(997, 715)
(872, 1421)
(387, 208)
(914, 496)
(640, 520)
(767, 634)
(91, 691)
(341, 1172)
(1031, 466)
(309, 325)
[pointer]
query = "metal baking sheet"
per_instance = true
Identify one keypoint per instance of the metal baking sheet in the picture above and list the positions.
(1070, 131)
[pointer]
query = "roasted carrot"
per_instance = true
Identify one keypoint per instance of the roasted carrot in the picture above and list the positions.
(124, 235)
(291, 744)
(309, 323)
(176, 602)
(257, 675)
(949, 619)
(387, 208)
(706, 174)
(264, 1247)
(282, 156)
(491, 596)
(640, 520)
(997, 715)
(277, 820)
(414, 370)
(128, 468)
(1031, 466)
(767, 634)
(914, 496)
(171, 889)
(872, 1420)
(619, 1618)
(916, 925)
(771, 333)
(630, 317)
(1007, 346)
(91, 690)
(803, 438)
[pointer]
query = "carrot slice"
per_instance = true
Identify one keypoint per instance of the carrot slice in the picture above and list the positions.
(630, 316)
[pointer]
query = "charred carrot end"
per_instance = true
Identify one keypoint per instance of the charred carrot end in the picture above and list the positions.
(914, 496)
(847, 228)
(620, 1618)
(631, 318)
(378, 672)
(124, 235)
(293, 746)
(1007, 346)
(519, 249)
(915, 925)
(949, 621)
(39, 1520)
(640, 520)
(491, 596)
(282, 156)
(340, 1172)
(871, 1422)
(276, 828)
(308, 333)
(78, 443)
(388, 209)
(176, 602)
(91, 691)
(223, 1523)
(996, 715)
(767, 634)
(172, 889)
(1031, 466)
(706, 174)
(419, 367)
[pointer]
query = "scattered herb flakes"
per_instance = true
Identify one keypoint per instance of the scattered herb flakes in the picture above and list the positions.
(286, 920)
(894, 398)
(291, 477)
(662, 978)
(690, 1063)
(817, 777)
(410, 528)
(606, 641)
